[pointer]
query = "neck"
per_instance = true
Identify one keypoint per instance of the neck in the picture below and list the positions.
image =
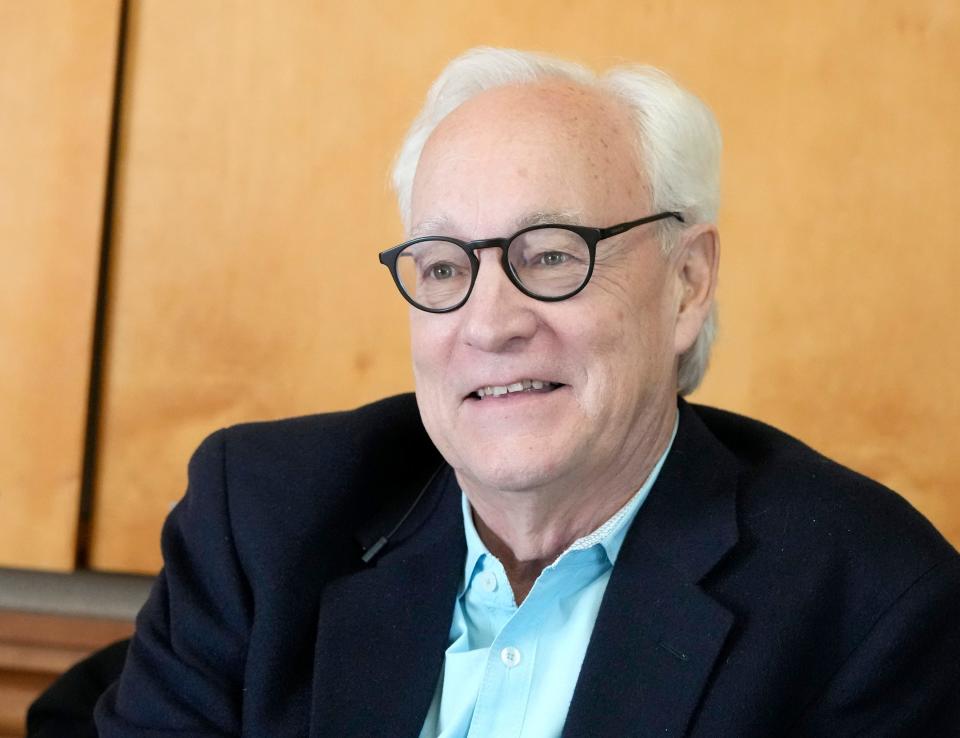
(528, 529)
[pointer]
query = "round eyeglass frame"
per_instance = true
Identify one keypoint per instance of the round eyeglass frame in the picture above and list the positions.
(591, 236)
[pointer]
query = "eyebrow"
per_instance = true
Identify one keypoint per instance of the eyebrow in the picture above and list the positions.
(548, 217)
(430, 227)
(442, 225)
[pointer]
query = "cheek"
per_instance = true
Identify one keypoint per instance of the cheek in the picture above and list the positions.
(604, 348)
(624, 353)
(428, 373)
(429, 341)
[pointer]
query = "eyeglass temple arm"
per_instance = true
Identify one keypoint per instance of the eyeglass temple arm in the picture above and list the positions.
(618, 229)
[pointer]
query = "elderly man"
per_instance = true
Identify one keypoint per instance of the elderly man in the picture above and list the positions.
(568, 549)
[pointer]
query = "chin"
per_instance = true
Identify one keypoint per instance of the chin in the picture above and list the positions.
(507, 472)
(507, 457)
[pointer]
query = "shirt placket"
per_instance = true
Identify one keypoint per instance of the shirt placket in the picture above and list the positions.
(508, 669)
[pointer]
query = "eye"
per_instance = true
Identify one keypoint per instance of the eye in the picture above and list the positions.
(440, 271)
(552, 258)
(548, 249)
(547, 259)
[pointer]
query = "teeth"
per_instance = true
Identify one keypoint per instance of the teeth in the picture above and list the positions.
(520, 386)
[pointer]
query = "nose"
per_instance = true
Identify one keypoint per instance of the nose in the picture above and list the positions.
(497, 317)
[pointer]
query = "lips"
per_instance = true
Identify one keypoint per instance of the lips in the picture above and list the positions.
(518, 386)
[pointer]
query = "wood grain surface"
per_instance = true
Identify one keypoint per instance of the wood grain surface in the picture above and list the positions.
(36, 648)
(257, 138)
(56, 89)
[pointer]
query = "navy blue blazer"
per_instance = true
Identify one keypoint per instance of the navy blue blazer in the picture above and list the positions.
(763, 590)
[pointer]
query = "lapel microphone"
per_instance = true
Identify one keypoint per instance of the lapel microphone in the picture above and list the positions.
(375, 549)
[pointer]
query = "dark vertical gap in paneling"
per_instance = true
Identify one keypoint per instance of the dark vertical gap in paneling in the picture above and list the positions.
(99, 324)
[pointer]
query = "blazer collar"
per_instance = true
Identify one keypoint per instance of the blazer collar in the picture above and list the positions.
(658, 634)
(382, 631)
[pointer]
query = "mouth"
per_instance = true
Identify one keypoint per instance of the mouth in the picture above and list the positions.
(520, 386)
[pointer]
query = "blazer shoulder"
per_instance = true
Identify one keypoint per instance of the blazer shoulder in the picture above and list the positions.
(388, 422)
(384, 437)
(795, 495)
(312, 481)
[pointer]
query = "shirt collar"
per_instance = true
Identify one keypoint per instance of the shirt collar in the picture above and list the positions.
(609, 535)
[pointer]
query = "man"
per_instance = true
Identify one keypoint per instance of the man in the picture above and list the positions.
(569, 549)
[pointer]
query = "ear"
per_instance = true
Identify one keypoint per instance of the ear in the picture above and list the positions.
(697, 261)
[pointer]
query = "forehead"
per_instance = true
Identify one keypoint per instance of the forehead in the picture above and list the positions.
(552, 147)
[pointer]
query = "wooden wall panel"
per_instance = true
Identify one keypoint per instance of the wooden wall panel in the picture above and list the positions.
(36, 648)
(56, 90)
(253, 200)
(839, 291)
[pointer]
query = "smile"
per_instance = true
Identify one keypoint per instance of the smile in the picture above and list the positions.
(522, 385)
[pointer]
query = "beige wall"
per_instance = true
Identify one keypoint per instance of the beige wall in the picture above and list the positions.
(56, 86)
(252, 200)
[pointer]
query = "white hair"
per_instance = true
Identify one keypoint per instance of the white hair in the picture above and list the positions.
(676, 134)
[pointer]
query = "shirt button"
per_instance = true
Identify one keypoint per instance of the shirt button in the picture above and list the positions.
(510, 657)
(488, 581)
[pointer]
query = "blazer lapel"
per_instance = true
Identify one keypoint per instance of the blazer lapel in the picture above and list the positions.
(382, 631)
(658, 634)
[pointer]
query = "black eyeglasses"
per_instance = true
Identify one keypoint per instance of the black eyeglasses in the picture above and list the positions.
(546, 262)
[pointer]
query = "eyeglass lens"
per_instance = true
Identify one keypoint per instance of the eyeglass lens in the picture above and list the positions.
(548, 262)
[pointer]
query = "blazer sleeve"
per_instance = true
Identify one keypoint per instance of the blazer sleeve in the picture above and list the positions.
(903, 679)
(184, 671)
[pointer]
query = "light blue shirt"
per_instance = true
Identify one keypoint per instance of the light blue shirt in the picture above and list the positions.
(509, 672)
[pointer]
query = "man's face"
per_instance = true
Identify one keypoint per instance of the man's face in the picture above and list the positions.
(505, 157)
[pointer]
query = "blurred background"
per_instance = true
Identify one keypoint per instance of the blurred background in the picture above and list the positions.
(193, 194)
